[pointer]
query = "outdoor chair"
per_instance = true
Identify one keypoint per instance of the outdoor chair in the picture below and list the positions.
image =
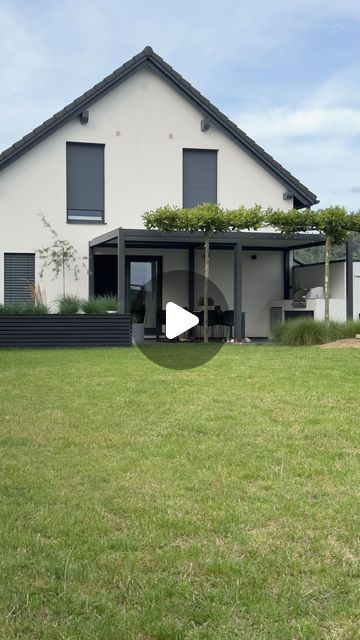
(212, 316)
(219, 322)
(228, 321)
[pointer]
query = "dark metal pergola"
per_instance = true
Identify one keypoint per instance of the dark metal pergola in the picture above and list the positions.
(123, 239)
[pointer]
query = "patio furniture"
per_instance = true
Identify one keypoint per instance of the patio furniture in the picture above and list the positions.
(228, 321)
(160, 322)
(219, 322)
(212, 321)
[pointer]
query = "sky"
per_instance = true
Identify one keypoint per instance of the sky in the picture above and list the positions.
(286, 71)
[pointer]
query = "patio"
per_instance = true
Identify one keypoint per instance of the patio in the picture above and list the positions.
(247, 286)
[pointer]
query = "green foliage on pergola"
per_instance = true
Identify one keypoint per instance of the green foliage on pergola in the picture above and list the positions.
(206, 218)
(209, 219)
(333, 222)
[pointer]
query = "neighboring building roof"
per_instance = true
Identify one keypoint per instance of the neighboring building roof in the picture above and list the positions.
(302, 195)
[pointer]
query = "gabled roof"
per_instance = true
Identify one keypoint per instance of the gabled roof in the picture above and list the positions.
(302, 195)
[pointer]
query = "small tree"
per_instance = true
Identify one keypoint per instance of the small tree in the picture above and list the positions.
(208, 219)
(60, 256)
(333, 222)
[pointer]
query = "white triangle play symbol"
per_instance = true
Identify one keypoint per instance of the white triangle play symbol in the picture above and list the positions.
(178, 320)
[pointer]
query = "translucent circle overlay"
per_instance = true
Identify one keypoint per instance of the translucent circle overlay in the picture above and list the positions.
(188, 351)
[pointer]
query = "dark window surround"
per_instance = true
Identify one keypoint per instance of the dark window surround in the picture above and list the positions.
(17, 289)
(159, 282)
(87, 221)
(200, 150)
(102, 212)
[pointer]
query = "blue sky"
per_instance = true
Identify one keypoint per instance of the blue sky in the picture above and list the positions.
(286, 71)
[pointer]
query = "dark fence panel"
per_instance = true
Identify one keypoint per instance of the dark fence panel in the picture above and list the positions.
(55, 330)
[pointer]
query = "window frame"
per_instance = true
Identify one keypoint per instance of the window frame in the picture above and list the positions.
(200, 149)
(69, 221)
(18, 253)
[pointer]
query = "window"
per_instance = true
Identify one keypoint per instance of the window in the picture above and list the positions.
(85, 182)
(19, 277)
(199, 176)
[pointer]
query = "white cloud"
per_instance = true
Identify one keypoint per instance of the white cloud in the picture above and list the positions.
(342, 88)
(317, 140)
(287, 121)
(23, 54)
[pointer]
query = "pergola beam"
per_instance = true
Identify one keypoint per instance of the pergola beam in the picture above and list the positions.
(249, 240)
(106, 237)
(191, 279)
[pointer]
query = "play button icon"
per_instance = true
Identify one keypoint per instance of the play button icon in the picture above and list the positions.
(165, 321)
(178, 320)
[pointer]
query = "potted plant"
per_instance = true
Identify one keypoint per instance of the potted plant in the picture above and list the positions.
(137, 311)
(138, 327)
(100, 304)
(210, 303)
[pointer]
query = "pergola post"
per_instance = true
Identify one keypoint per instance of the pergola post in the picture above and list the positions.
(91, 272)
(286, 264)
(239, 328)
(121, 284)
(349, 278)
(191, 278)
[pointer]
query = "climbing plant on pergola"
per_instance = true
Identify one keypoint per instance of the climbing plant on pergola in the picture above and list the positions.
(334, 222)
(208, 219)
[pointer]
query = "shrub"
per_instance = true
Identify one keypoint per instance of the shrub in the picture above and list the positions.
(69, 304)
(307, 332)
(335, 331)
(100, 304)
(23, 308)
(350, 329)
(301, 332)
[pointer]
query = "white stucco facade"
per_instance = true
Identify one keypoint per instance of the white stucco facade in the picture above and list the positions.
(312, 275)
(144, 124)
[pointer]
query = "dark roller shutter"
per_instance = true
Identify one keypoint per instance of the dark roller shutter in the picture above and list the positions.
(199, 176)
(19, 276)
(85, 182)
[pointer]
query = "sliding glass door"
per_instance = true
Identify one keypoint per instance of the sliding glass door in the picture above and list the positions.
(144, 289)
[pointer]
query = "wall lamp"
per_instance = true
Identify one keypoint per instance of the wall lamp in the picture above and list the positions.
(84, 117)
(205, 124)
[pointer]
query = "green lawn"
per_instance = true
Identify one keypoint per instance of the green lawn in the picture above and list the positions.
(219, 503)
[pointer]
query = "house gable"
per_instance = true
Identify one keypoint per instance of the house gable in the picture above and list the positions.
(212, 118)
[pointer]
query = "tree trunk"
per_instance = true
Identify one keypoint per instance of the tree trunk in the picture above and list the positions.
(63, 277)
(327, 279)
(206, 285)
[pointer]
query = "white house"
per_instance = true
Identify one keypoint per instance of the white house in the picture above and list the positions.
(141, 138)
